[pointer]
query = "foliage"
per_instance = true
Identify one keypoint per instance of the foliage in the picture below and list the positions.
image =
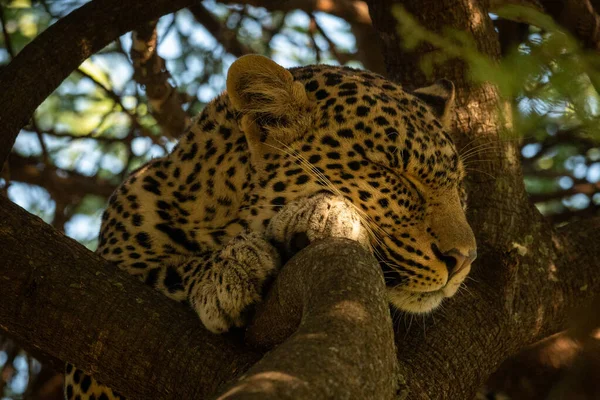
(551, 82)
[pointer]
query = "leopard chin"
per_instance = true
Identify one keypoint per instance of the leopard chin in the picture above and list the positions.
(424, 302)
(415, 302)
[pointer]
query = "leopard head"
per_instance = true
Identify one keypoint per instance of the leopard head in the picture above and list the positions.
(382, 149)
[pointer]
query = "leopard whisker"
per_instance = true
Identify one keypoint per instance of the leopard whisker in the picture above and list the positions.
(481, 172)
(468, 144)
(463, 288)
(476, 151)
(477, 161)
(485, 146)
(494, 141)
(499, 155)
(466, 148)
(412, 316)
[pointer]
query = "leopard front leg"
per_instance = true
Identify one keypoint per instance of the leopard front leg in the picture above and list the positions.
(307, 219)
(223, 286)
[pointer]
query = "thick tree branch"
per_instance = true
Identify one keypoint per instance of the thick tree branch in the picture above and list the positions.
(344, 345)
(555, 362)
(536, 5)
(578, 17)
(528, 276)
(353, 11)
(65, 302)
(59, 50)
(85, 315)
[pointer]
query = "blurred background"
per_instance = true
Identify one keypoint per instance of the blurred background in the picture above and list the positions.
(97, 126)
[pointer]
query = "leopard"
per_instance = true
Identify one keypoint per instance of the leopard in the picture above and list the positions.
(308, 152)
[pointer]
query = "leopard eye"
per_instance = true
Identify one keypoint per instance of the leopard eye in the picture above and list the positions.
(413, 186)
(401, 177)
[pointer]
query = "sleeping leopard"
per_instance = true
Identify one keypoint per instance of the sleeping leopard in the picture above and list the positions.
(318, 151)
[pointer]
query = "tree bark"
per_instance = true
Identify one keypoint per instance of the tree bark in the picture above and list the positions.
(566, 362)
(528, 277)
(331, 299)
(66, 303)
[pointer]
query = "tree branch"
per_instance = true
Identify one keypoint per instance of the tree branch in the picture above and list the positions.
(585, 188)
(69, 183)
(344, 345)
(590, 211)
(65, 302)
(133, 117)
(528, 278)
(555, 362)
(353, 11)
(82, 313)
(60, 49)
(578, 17)
(151, 72)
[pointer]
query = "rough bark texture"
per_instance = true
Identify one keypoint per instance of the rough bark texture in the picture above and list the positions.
(528, 278)
(66, 303)
(62, 300)
(563, 366)
(60, 49)
(331, 299)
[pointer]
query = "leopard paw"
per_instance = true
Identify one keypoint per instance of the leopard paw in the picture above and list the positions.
(307, 219)
(234, 282)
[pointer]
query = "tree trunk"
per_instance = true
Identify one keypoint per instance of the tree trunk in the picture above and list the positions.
(525, 283)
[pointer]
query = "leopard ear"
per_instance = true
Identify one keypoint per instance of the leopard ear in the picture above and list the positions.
(440, 99)
(272, 105)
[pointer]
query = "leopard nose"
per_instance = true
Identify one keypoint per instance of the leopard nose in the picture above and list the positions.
(457, 261)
